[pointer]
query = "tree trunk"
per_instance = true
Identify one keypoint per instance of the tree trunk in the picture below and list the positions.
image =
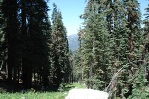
(11, 34)
(25, 72)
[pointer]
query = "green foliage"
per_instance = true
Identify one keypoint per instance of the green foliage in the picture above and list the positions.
(1, 32)
(34, 95)
(41, 95)
(35, 50)
(76, 69)
(110, 41)
(66, 87)
(140, 90)
(95, 54)
(60, 61)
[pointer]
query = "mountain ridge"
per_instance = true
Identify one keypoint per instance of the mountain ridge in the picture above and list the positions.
(73, 42)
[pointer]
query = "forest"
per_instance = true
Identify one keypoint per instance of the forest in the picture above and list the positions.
(113, 53)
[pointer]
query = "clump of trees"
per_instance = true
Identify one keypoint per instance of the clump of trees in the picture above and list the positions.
(113, 42)
(33, 51)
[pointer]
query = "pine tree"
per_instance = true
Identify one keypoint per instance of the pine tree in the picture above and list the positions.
(2, 48)
(36, 55)
(140, 87)
(127, 41)
(26, 39)
(121, 23)
(60, 49)
(9, 9)
(95, 46)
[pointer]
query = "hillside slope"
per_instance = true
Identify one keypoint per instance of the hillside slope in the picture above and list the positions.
(73, 42)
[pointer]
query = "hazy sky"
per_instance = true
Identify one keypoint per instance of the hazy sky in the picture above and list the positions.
(72, 9)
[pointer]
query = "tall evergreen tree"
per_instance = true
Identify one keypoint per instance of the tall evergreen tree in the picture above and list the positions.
(127, 41)
(95, 53)
(121, 22)
(10, 11)
(140, 87)
(60, 48)
(36, 48)
(26, 31)
(2, 44)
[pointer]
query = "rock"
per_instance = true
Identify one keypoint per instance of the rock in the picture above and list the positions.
(86, 94)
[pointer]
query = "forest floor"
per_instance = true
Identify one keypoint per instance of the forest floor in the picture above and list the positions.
(34, 95)
(7, 92)
(40, 95)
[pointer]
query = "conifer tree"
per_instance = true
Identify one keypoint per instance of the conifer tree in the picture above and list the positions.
(95, 46)
(122, 25)
(60, 48)
(36, 49)
(140, 86)
(26, 31)
(10, 9)
(1, 37)
(127, 41)
(1, 26)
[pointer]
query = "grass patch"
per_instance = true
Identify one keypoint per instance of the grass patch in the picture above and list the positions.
(41, 95)
(78, 85)
(75, 85)
(32, 95)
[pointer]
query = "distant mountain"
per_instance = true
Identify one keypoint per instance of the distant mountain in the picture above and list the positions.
(73, 42)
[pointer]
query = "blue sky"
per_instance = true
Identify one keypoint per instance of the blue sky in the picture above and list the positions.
(72, 9)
